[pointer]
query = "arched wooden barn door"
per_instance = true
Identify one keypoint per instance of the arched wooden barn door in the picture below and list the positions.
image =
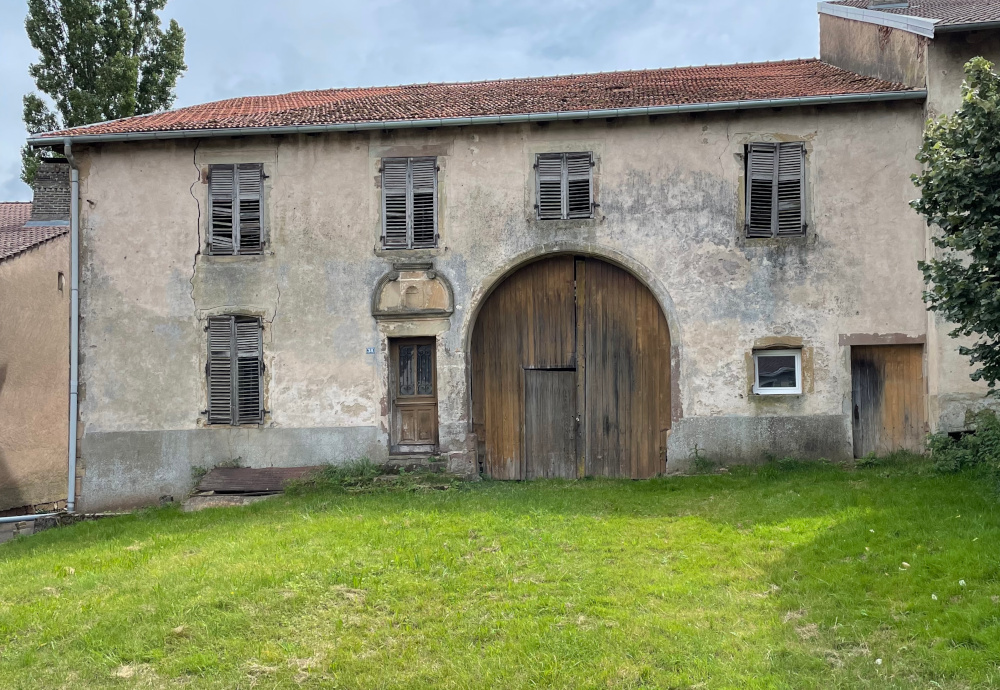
(571, 374)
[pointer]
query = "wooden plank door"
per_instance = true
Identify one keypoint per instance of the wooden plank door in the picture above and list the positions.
(550, 423)
(625, 349)
(413, 391)
(887, 395)
(597, 321)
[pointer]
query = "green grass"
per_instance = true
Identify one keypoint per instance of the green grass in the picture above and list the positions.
(785, 577)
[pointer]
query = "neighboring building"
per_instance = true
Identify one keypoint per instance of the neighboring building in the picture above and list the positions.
(34, 345)
(594, 274)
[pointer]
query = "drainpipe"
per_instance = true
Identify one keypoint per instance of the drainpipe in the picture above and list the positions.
(26, 518)
(74, 319)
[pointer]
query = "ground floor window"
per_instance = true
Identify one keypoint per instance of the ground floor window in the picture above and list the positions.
(235, 368)
(777, 372)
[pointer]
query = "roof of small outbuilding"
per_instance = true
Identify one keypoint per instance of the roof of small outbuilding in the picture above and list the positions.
(946, 12)
(542, 95)
(15, 236)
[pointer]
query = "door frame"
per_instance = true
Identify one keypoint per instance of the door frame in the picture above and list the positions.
(411, 401)
(922, 408)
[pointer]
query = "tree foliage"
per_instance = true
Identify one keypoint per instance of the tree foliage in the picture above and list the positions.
(98, 60)
(960, 194)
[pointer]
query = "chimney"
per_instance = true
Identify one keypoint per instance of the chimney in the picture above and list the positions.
(51, 191)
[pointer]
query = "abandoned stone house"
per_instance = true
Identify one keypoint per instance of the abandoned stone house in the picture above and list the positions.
(34, 348)
(595, 274)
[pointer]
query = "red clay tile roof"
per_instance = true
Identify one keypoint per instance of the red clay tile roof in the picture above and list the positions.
(947, 12)
(14, 237)
(14, 214)
(606, 90)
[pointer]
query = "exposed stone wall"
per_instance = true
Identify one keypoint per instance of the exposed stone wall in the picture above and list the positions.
(51, 191)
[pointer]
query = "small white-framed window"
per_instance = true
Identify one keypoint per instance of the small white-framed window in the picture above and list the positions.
(777, 372)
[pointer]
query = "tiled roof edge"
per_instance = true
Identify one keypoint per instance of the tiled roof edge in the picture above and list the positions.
(51, 138)
(914, 25)
(22, 250)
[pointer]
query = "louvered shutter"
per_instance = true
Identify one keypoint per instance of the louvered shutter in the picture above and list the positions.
(549, 185)
(248, 365)
(578, 185)
(760, 189)
(791, 190)
(394, 206)
(221, 189)
(564, 185)
(249, 239)
(423, 185)
(220, 370)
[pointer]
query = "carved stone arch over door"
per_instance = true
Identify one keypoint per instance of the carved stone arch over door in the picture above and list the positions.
(571, 373)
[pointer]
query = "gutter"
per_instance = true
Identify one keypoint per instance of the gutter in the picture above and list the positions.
(74, 319)
(972, 26)
(915, 94)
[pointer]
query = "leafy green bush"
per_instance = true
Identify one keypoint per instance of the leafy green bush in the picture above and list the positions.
(980, 449)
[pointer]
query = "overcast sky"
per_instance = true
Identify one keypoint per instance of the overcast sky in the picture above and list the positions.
(248, 47)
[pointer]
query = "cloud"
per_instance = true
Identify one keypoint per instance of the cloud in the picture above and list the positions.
(245, 47)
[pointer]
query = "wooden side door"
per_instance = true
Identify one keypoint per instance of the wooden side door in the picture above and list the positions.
(887, 392)
(550, 423)
(413, 391)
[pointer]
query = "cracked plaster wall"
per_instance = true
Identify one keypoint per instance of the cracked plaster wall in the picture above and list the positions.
(670, 195)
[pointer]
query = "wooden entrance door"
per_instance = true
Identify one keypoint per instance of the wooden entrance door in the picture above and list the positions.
(887, 391)
(596, 323)
(550, 423)
(413, 391)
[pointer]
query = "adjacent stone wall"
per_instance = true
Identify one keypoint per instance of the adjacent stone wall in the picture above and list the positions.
(51, 191)
(873, 50)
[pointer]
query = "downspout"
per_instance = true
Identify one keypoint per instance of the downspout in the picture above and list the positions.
(74, 318)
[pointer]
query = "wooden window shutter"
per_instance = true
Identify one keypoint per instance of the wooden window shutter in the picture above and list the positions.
(549, 185)
(236, 202)
(235, 365)
(791, 190)
(394, 203)
(409, 203)
(423, 188)
(248, 365)
(250, 188)
(564, 185)
(220, 370)
(579, 199)
(221, 187)
(761, 171)
(775, 190)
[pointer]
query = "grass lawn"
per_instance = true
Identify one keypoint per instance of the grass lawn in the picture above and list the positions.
(782, 577)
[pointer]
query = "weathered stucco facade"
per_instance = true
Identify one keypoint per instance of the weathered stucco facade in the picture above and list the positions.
(34, 376)
(669, 190)
(670, 194)
(937, 64)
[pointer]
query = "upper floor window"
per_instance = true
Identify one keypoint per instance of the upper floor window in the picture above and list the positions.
(409, 203)
(564, 185)
(235, 194)
(235, 370)
(775, 190)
